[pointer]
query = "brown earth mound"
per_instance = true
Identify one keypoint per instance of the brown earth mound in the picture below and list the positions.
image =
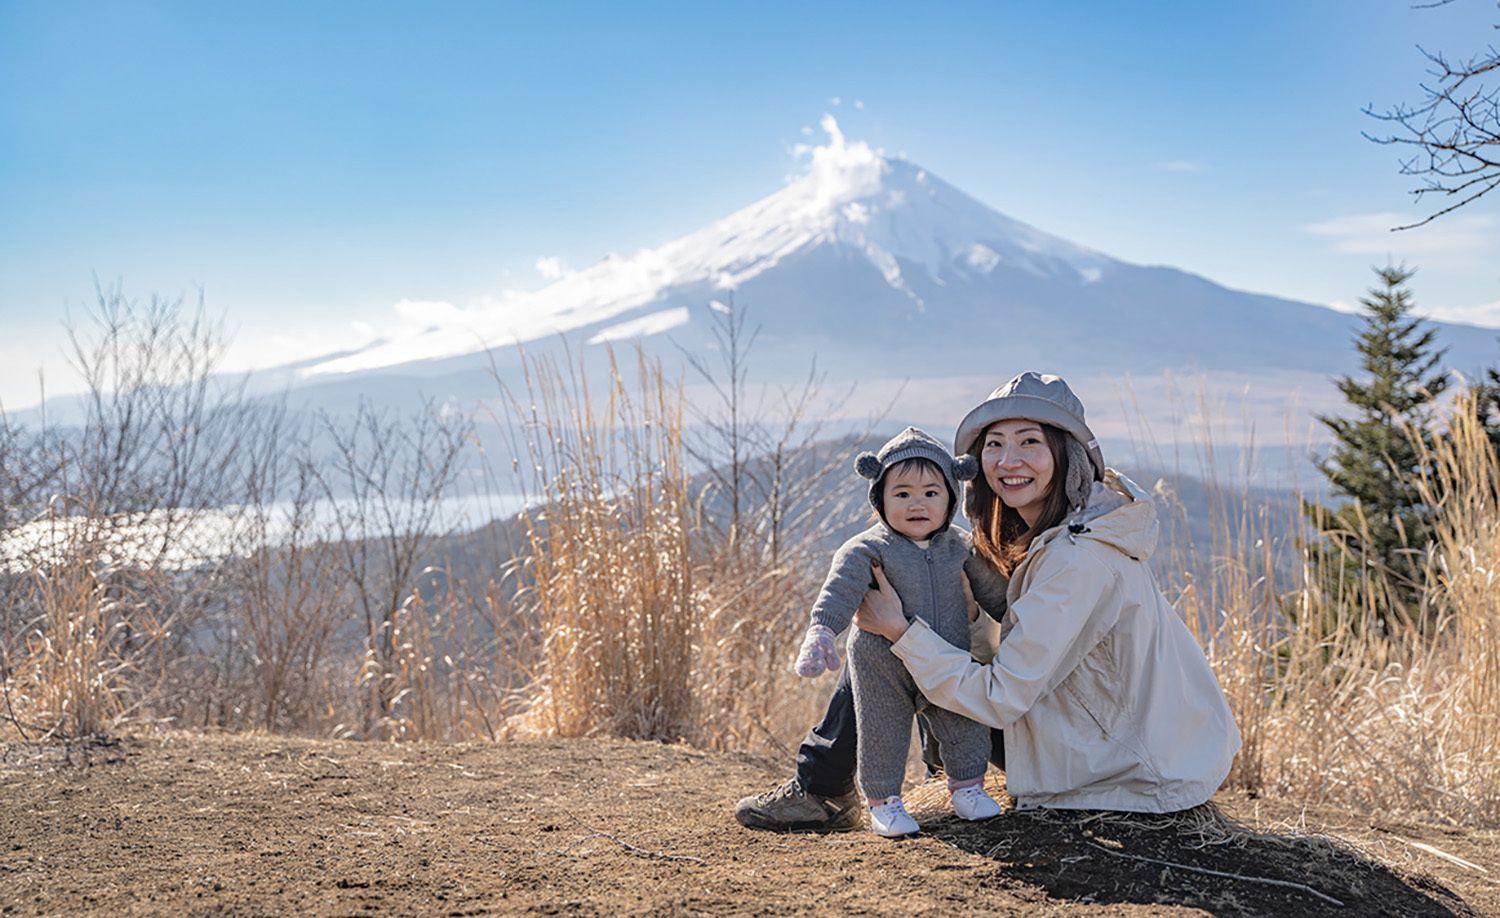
(186, 824)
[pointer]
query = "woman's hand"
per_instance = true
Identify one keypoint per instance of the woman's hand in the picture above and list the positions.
(881, 612)
(969, 600)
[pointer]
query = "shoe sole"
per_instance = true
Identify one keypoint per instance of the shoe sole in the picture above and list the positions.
(770, 825)
(916, 831)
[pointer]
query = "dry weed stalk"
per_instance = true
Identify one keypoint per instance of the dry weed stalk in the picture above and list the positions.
(1332, 708)
(70, 682)
(609, 575)
(1464, 577)
(447, 641)
(748, 696)
(659, 620)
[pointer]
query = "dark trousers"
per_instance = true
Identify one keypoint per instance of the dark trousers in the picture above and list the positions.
(827, 758)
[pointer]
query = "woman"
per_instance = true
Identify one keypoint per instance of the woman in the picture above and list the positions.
(1102, 696)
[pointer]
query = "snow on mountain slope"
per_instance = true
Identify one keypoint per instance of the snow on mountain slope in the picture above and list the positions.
(900, 290)
(895, 214)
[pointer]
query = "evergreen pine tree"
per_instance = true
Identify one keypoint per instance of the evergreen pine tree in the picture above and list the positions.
(1384, 525)
(1487, 405)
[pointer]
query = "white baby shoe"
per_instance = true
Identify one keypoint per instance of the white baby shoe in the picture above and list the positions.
(972, 803)
(890, 819)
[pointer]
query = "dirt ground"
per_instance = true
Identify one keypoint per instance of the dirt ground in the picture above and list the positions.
(188, 824)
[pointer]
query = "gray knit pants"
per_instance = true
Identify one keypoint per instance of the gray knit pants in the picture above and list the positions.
(886, 699)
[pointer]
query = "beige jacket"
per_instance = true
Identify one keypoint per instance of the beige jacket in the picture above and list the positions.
(1106, 699)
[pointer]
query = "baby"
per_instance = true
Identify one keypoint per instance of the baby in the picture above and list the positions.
(914, 488)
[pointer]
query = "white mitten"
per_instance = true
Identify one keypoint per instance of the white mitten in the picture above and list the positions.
(818, 655)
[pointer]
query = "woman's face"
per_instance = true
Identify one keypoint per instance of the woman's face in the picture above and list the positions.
(1017, 463)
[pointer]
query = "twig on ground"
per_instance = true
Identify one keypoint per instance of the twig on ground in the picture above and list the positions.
(634, 849)
(1438, 852)
(1220, 873)
(10, 712)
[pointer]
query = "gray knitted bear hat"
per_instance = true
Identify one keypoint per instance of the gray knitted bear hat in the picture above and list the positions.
(913, 443)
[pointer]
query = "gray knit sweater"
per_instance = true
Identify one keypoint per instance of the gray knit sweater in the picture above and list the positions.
(926, 579)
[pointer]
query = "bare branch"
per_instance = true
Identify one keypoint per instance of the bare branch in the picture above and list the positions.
(1455, 128)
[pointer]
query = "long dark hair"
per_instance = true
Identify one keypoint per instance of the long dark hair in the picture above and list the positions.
(1000, 535)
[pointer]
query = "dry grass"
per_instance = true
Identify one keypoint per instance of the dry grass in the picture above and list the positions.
(652, 624)
(1333, 711)
(608, 579)
(631, 609)
(66, 684)
(92, 629)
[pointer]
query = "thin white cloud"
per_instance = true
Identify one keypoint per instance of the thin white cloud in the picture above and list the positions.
(835, 101)
(428, 312)
(551, 267)
(28, 370)
(260, 347)
(1371, 234)
(1483, 314)
(838, 171)
(859, 105)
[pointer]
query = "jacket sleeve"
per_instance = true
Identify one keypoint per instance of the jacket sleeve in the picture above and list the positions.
(1065, 611)
(849, 578)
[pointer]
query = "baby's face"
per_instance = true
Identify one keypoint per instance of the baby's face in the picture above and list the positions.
(916, 502)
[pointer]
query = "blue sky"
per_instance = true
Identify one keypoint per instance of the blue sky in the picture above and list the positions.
(309, 165)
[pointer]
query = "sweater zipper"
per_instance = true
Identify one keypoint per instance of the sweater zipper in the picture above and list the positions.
(931, 588)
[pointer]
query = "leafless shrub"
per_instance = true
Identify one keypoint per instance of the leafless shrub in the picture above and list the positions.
(284, 575)
(384, 485)
(111, 580)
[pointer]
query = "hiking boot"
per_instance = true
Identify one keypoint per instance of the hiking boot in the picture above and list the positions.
(789, 808)
(973, 804)
(889, 819)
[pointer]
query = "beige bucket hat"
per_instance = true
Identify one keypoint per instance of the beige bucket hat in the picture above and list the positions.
(1035, 397)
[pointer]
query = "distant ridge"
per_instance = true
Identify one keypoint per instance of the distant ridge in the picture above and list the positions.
(881, 271)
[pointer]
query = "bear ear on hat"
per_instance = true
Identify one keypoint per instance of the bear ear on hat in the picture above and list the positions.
(965, 467)
(867, 465)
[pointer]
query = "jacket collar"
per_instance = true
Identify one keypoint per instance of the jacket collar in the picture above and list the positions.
(1119, 513)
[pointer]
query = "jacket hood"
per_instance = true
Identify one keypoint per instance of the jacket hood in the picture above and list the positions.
(1119, 513)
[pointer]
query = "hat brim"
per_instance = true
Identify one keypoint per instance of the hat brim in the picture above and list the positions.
(1031, 408)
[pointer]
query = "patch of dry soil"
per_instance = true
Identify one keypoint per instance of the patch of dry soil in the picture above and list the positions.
(188, 824)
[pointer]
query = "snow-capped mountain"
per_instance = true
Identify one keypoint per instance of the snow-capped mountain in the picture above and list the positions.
(889, 213)
(885, 272)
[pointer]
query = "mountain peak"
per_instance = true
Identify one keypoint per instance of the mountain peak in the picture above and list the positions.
(890, 211)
